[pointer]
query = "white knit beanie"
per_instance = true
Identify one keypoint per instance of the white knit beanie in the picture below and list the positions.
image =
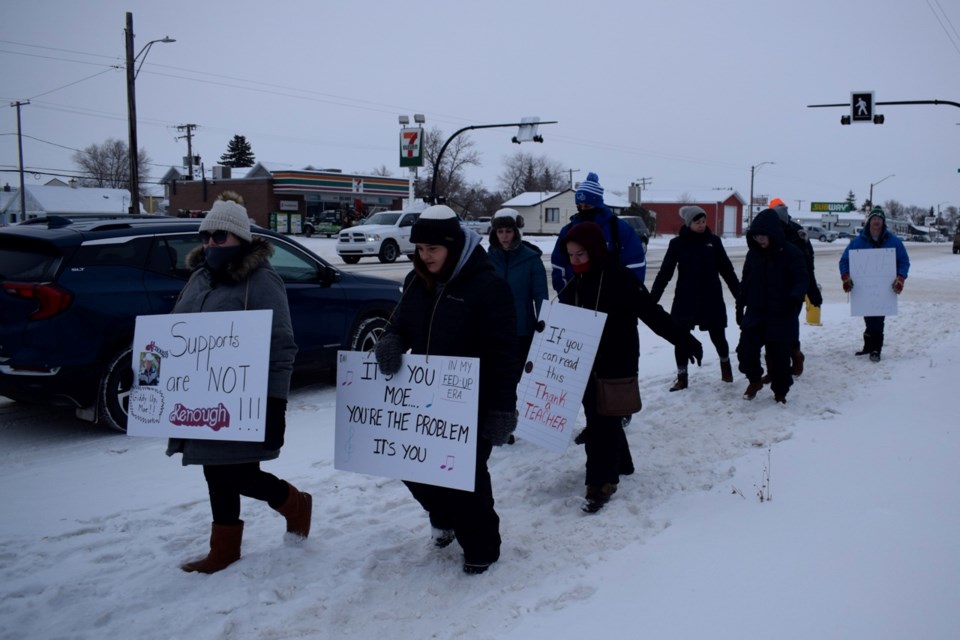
(228, 215)
(690, 213)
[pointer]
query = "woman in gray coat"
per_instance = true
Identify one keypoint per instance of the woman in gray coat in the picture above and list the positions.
(232, 272)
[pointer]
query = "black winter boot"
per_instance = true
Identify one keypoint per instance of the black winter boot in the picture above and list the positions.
(866, 345)
(726, 372)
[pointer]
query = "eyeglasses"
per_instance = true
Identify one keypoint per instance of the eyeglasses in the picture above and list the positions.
(218, 237)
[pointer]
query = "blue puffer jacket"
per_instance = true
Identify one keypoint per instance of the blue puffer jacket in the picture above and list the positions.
(627, 245)
(887, 240)
(522, 267)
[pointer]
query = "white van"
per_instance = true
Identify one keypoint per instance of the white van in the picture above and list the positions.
(819, 233)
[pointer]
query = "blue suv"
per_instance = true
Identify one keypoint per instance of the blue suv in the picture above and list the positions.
(72, 289)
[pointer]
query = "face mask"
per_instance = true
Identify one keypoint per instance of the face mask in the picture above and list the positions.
(581, 268)
(217, 257)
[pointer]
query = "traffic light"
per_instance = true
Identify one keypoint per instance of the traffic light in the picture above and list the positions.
(878, 119)
(844, 119)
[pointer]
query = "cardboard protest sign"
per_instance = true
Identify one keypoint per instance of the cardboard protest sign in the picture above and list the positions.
(556, 373)
(873, 272)
(201, 376)
(419, 424)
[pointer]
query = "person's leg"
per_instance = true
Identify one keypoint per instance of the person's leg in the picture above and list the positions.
(681, 358)
(874, 345)
(476, 523)
(718, 337)
(781, 375)
(748, 357)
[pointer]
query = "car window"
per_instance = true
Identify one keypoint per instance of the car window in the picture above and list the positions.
(118, 252)
(293, 267)
(409, 219)
(23, 264)
(169, 255)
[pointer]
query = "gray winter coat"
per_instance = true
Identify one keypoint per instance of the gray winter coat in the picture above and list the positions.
(249, 283)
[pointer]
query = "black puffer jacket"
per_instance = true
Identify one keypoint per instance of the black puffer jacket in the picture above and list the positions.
(471, 316)
(700, 261)
(614, 289)
(774, 281)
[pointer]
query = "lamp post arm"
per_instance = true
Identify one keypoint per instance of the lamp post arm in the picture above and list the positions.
(437, 165)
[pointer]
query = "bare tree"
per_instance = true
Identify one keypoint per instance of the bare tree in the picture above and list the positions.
(460, 153)
(108, 165)
(381, 171)
(525, 172)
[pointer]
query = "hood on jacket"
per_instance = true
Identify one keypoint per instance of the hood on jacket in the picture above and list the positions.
(766, 223)
(253, 256)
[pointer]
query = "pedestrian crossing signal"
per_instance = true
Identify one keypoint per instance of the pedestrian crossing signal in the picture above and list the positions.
(861, 106)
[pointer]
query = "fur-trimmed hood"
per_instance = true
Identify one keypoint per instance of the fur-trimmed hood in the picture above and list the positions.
(254, 255)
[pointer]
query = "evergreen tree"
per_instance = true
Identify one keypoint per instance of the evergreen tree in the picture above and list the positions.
(239, 153)
(851, 200)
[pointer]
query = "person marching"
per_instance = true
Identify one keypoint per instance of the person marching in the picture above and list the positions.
(698, 256)
(454, 304)
(601, 283)
(520, 264)
(622, 240)
(875, 235)
(772, 287)
(232, 272)
(797, 235)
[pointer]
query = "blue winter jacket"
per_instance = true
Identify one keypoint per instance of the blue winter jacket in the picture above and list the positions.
(631, 252)
(522, 267)
(887, 240)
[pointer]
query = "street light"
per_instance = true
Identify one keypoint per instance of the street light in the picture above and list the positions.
(753, 170)
(411, 139)
(132, 73)
(872, 185)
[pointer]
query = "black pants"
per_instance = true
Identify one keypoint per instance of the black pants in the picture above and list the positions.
(227, 482)
(470, 515)
(608, 453)
(718, 337)
(752, 341)
(873, 333)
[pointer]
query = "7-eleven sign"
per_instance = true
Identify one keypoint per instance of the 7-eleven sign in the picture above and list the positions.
(411, 147)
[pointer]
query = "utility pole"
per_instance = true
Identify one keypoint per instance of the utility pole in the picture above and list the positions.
(799, 205)
(571, 172)
(189, 136)
(23, 195)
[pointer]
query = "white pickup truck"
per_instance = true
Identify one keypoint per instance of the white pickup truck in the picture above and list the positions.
(480, 225)
(385, 235)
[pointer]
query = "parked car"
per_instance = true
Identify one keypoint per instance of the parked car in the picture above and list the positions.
(821, 234)
(72, 289)
(385, 236)
(956, 242)
(480, 225)
(640, 227)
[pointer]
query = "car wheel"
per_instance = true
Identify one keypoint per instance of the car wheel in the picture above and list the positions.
(115, 391)
(351, 259)
(823, 238)
(367, 333)
(389, 252)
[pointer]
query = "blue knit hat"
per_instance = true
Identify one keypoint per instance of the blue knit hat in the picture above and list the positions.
(590, 191)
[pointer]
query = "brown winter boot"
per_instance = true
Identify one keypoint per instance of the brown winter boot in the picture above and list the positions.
(752, 390)
(726, 371)
(680, 383)
(225, 542)
(598, 496)
(298, 510)
(798, 358)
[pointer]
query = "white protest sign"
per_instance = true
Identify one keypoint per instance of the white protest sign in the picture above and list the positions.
(873, 272)
(201, 376)
(419, 424)
(556, 373)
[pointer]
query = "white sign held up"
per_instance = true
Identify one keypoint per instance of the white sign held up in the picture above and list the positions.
(419, 424)
(201, 376)
(873, 272)
(556, 373)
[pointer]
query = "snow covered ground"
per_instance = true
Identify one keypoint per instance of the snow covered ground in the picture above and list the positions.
(857, 540)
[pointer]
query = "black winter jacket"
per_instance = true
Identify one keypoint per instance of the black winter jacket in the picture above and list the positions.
(774, 281)
(471, 316)
(614, 289)
(700, 261)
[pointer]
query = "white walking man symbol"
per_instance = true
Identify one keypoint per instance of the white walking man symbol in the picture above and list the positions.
(862, 107)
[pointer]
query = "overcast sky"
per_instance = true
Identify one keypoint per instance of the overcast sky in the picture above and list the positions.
(690, 93)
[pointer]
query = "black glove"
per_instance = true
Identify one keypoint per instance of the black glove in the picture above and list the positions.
(389, 352)
(498, 426)
(693, 350)
(276, 423)
(816, 298)
(739, 315)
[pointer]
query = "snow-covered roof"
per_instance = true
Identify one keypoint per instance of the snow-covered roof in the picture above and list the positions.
(530, 198)
(49, 200)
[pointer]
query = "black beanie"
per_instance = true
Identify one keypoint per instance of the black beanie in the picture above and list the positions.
(588, 235)
(438, 225)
